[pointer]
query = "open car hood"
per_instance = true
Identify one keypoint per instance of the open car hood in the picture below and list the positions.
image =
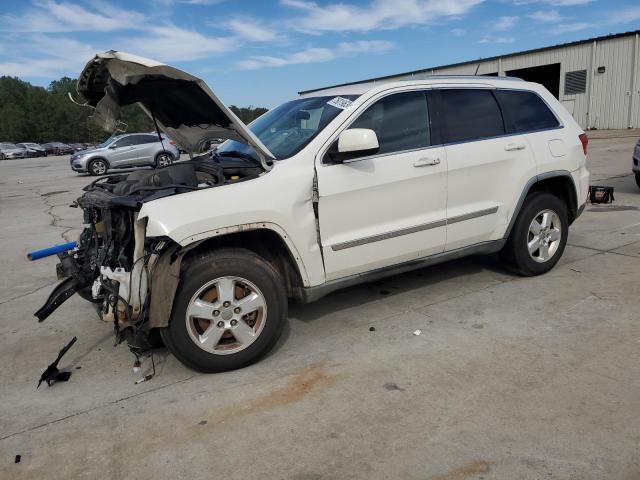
(183, 105)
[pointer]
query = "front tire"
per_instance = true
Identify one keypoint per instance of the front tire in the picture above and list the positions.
(229, 310)
(538, 237)
(98, 166)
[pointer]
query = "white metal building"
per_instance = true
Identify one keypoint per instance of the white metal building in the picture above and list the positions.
(597, 80)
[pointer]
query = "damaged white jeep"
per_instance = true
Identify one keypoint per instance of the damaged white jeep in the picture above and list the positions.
(337, 187)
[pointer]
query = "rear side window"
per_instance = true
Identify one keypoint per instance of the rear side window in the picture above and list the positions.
(470, 115)
(401, 122)
(526, 111)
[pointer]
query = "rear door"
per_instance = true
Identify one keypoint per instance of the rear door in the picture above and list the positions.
(486, 165)
(146, 148)
(388, 207)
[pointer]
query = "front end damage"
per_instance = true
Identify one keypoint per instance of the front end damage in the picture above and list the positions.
(129, 277)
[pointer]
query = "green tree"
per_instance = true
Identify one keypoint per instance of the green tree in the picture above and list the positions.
(37, 114)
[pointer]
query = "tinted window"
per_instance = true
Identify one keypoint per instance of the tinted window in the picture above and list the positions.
(123, 142)
(526, 111)
(149, 139)
(401, 122)
(471, 114)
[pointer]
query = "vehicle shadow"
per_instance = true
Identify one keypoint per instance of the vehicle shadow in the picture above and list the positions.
(397, 285)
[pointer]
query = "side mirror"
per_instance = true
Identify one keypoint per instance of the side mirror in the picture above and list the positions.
(112, 146)
(360, 140)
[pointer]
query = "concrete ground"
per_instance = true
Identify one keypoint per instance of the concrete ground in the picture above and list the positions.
(511, 378)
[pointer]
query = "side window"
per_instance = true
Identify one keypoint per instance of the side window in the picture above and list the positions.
(123, 142)
(149, 139)
(526, 111)
(470, 114)
(401, 122)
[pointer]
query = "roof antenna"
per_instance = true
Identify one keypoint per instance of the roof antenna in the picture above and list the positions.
(477, 68)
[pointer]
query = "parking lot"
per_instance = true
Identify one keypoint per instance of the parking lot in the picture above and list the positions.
(510, 378)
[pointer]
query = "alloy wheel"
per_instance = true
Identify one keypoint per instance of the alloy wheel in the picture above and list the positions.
(543, 238)
(226, 315)
(164, 159)
(98, 167)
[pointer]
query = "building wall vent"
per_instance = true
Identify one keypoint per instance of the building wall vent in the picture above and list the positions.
(575, 82)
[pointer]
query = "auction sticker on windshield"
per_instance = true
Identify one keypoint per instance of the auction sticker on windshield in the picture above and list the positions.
(340, 102)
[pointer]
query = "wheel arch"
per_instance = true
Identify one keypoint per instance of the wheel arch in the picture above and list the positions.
(557, 182)
(93, 159)
(269, 245)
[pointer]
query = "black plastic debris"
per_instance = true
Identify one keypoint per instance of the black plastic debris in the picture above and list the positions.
(598, 194)
(372, 329)
(17, 459)
(52, 374)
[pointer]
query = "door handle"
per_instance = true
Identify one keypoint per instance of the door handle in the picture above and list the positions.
(512, 147)
(425, 162)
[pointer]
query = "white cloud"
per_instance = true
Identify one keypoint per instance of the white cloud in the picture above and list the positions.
(67, 58)
(492, 39)
(626, 15)
(554, 3)
(458, 32)
(546, 16)
(504, 23)
(378, 15)
(316, 55)
(168, 43)
(54, 16)
(563, 28)
(252, 30)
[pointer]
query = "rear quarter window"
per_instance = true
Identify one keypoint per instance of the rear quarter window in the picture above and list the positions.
(526, 111)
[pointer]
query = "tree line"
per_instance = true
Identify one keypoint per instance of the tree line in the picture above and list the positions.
(30, 113)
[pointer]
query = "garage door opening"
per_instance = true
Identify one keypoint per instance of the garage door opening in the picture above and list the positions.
(547, 75)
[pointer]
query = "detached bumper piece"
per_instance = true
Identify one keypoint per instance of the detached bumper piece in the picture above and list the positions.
(52, 374)
(58, 296)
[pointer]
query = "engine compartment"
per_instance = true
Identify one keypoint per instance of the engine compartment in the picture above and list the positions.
(112, 264)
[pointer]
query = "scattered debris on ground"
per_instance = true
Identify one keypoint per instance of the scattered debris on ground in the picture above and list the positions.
(52, 374)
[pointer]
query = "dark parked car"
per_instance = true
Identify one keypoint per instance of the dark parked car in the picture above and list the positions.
(57, 148)
(33, 149)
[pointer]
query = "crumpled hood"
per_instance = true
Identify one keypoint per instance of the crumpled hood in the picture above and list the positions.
(183, 105)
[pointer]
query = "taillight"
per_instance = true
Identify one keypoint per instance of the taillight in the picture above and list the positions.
(172, 142)
(584, 140)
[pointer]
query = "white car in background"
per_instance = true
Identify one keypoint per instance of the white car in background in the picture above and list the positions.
(331, 189)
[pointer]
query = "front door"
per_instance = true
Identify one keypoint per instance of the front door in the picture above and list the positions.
(387, 207)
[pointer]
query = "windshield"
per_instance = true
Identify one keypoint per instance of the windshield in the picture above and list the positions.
(287, 129)
(8, 145)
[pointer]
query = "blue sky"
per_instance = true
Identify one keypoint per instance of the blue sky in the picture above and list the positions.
(261, 53)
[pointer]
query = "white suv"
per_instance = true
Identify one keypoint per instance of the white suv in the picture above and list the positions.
(331, 189)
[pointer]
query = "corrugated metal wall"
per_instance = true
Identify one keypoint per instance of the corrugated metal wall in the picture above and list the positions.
(611, 97)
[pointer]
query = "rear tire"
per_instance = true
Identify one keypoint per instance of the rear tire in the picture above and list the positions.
(638, 179)
(538, 237)
(164, 160)
(229, 310)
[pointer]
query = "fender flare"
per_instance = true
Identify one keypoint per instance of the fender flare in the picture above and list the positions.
(527, 188)
(218, 232)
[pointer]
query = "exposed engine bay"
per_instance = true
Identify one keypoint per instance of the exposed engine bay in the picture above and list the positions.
(112, 264)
